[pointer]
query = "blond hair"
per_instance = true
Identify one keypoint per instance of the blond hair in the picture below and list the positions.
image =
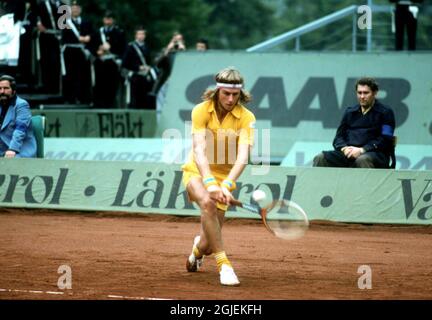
(228, 75)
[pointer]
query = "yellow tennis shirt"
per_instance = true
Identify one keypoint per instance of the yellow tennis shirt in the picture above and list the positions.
(222, 139)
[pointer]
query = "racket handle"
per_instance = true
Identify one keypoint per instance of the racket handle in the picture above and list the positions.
(247, 206)
(236, 203)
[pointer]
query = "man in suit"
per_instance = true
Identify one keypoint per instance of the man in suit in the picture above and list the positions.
(109, 44)
(406, 12)
(49, 36)
(77, 58)
(364, 138)
(141, 76)
(16, 133)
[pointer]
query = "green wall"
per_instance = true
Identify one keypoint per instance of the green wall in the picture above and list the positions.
(300, 97)
(336, 194)
(99, 123)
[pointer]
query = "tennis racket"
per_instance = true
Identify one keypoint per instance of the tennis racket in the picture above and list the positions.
(283, 218)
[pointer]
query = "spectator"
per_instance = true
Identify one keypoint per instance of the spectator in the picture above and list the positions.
(406, 18)
(16, 24)
(49, 38)
(202, 45)
(26, 60)
(364, 138)
(141, 75)
(77, 58)
(109, 44)
(17, 7)
(165, 60)
(16, 133)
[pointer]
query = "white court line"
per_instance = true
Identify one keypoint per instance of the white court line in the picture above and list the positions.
(54, 292)
(134, 298)
(31, 291)
(59, 293)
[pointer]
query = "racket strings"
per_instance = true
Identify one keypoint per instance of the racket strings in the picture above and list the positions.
(286, 220)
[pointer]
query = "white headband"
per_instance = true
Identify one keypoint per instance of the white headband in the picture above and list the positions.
(229, 85)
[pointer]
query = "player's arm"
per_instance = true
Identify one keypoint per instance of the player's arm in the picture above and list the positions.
(199, 145)
(241, 162)
(199, 148)
(246, 140)
(228, 185)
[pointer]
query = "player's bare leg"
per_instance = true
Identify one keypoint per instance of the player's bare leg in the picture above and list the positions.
(203, 245)
(210, 240)
(210, 218)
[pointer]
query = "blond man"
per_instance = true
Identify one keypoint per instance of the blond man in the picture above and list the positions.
(222, 135)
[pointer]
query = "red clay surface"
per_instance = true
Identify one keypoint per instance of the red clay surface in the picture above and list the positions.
(143, 256)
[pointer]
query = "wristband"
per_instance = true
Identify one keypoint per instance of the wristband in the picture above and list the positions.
(210, 182)
(229, 184)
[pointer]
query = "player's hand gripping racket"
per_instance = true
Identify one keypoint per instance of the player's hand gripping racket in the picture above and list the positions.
(284, 219)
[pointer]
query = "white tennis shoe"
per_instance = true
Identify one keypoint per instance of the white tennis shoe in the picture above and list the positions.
(228, 276)
(193, 264)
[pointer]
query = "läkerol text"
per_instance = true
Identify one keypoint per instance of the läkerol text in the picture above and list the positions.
(223, 309)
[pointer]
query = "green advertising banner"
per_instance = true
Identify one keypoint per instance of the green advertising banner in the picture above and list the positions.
(335, 194)
(112, 149)
(176, 151)
(99, 123)
(300, 97)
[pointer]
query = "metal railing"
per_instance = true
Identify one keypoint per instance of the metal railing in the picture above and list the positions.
(314, 25)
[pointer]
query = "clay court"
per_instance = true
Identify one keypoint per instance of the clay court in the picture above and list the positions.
(124, 256)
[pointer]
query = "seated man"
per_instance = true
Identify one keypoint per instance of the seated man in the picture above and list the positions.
(364, 138)
(16, 133)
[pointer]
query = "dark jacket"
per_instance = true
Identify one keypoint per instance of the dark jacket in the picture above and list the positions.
(372, 131)
(131, 59)
(114, 36)
(45, 17)
(84, 29)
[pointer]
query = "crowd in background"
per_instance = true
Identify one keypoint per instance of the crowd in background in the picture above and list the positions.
(95, 65)
(62, 53)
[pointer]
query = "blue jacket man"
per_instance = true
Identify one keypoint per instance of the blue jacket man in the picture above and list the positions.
(16, 133)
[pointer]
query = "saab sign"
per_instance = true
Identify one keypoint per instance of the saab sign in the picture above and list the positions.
(300, 97)
(270, 102)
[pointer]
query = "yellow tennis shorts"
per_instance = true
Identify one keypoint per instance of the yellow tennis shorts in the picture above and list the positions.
(188, 175)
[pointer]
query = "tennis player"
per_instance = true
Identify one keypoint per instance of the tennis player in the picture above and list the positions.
(222, 135)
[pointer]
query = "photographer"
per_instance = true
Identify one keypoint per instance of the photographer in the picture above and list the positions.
(165, 60)
(176, 44)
